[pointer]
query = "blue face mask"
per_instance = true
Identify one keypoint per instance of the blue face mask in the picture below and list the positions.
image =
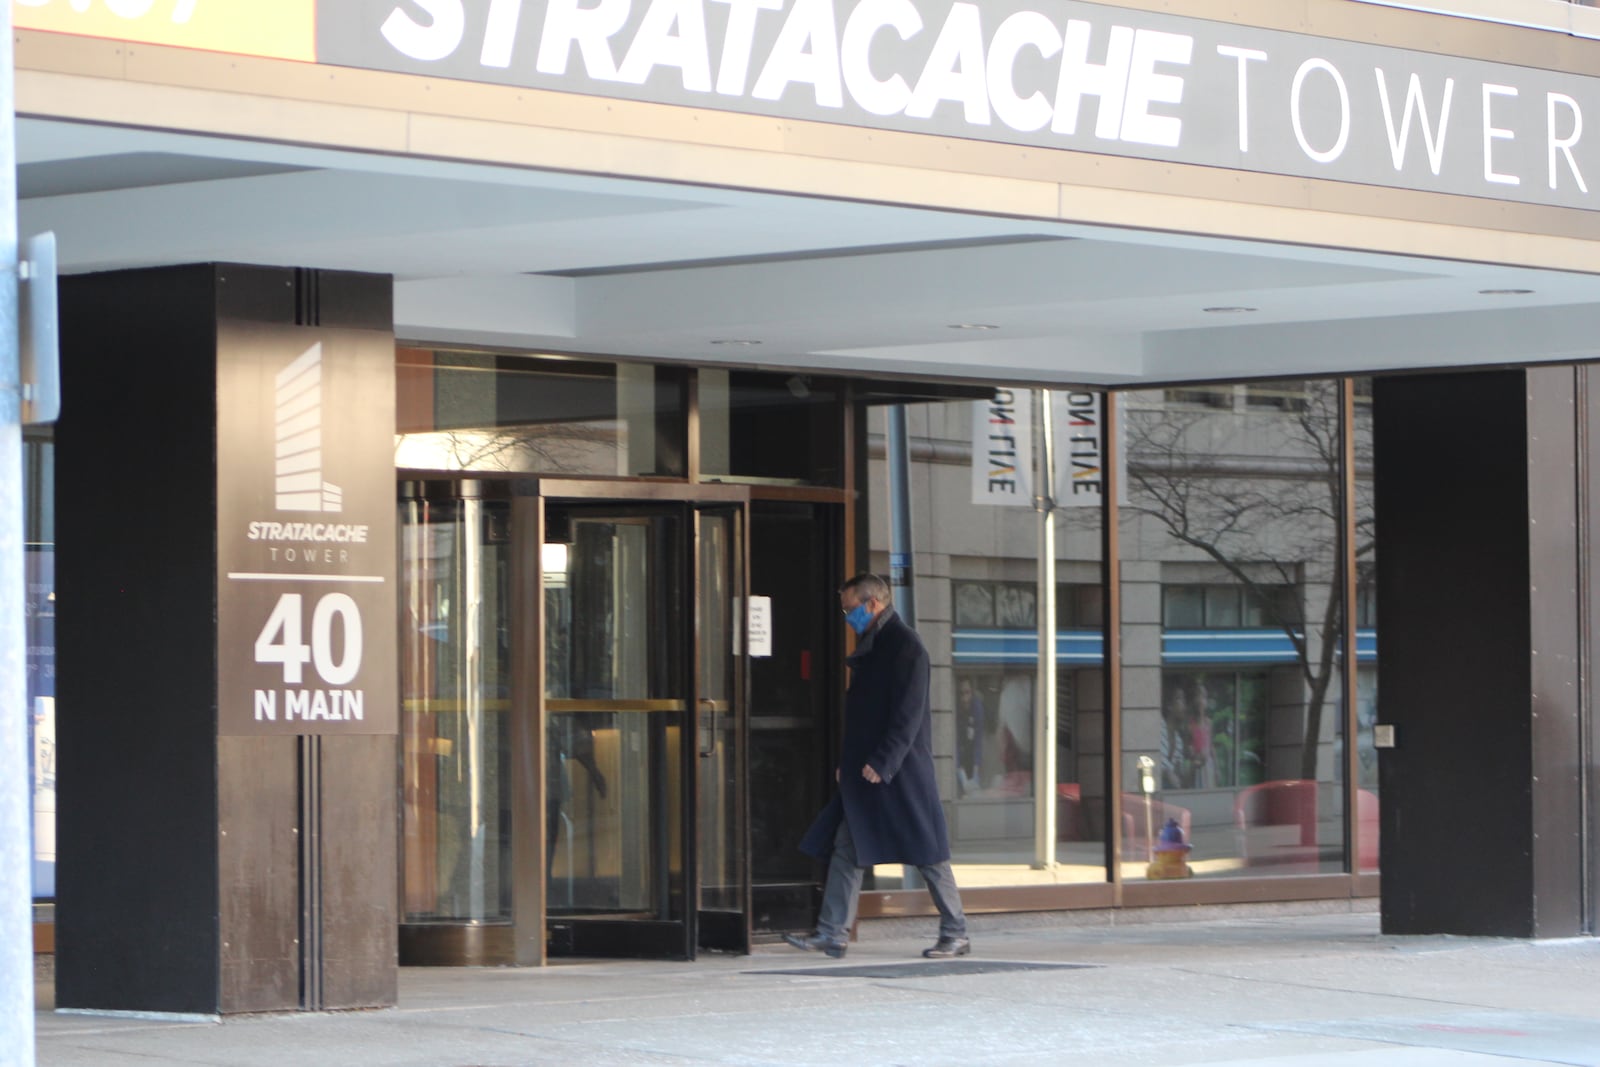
(859, 618)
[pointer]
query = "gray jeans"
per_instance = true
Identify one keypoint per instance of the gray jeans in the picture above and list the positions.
(843, 891)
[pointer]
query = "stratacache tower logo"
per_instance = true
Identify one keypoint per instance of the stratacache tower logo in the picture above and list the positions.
(298, 437)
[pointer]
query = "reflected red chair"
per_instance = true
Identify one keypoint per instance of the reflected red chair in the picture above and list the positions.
(1367, 820)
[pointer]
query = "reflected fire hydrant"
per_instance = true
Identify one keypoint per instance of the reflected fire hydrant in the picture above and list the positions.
(1171, 856)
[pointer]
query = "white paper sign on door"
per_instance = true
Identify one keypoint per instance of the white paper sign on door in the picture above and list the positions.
(760, 626)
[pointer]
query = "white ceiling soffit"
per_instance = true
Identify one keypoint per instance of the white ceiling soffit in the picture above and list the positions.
(571, 263)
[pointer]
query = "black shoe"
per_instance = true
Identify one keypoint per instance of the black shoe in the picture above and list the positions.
(948, 947)
(817, 943)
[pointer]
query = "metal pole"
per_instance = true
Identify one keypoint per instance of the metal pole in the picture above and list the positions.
(16, 866)
(902, 578)
(1044, 719)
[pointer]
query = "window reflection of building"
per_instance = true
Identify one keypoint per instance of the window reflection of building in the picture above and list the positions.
(1232, 618)
(1234, 509)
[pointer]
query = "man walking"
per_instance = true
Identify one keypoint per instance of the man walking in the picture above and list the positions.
(886, 809)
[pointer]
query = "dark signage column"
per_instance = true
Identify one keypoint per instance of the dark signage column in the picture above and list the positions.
(306, 656)
(227, 700)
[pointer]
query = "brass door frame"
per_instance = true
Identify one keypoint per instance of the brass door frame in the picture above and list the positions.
(531, 709)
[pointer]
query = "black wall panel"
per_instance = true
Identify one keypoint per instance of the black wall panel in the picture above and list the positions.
(1479, 637)
(1451, 491)
(136, 925)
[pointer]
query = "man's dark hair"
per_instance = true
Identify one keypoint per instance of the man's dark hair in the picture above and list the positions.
(869, 587)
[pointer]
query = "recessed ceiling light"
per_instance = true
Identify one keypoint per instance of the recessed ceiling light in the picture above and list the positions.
(734, 341)
(1504, 292)
(1228, 310)
(973, 326)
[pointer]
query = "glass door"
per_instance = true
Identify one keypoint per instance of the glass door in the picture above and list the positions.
(645, 843)
(723, 840)
(617, 714)
(456, 725)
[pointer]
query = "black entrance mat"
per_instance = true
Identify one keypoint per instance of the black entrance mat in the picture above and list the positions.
(927, 969)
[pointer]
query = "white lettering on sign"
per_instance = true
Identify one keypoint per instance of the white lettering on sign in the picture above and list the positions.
(738, 43)
(1415, 105)
(500, 33)
(955, 69)
(590, 28)
(1296, 110)
(673, 35)
(1492, 133)
(885, 96)
(1563, 145)
(435, 39)
(1025, 29)
(807, 52)
(280, 638)
(352, 533)
(1107, 82)
(308, 705)
(1074, 75)
(1146, 86)
(1244, 56)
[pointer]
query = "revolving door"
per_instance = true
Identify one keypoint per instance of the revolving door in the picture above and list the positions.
(574, 726)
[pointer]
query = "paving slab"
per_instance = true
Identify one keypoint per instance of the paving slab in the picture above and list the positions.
(1318, 990)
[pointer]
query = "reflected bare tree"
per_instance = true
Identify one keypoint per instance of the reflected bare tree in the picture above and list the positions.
(1258, 494)
(561, 447)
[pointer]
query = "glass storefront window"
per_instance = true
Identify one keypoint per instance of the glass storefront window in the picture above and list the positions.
(785, 429)
(1232, 618)
(977, 597)
(479, 411)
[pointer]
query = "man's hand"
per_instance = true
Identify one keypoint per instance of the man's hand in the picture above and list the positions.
(871, 775)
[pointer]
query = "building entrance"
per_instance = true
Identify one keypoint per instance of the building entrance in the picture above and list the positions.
(585, 656)
(645, 727)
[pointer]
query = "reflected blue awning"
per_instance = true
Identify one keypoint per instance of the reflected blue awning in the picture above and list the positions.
(1086, 648)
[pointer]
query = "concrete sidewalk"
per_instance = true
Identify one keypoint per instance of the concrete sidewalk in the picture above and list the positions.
(1317, 990)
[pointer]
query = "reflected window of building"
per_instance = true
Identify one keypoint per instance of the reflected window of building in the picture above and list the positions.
(1219, 396)
(1274, 396)
(1232, 617)
(484, 411)
(784, 429)
(1222, 607)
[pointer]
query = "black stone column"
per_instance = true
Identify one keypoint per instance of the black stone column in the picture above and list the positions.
(1480, 597)
(200, 871)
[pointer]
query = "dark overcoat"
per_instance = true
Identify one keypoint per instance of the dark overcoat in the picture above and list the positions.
(888, 724)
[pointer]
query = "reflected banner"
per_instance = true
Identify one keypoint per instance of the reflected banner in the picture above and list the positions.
(1002, 449)
(1003, 471)
(305, 531)
(1048, 73)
